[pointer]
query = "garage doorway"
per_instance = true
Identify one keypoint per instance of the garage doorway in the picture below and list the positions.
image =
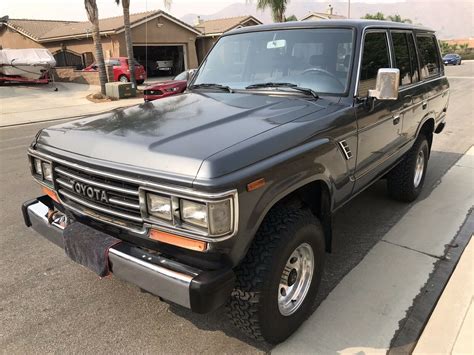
(148, 56)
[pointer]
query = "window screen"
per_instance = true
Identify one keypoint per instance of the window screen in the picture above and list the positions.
(374, 57)
(428, 55)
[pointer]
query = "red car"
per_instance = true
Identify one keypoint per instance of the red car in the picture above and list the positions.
(169, 87)
(121, 69)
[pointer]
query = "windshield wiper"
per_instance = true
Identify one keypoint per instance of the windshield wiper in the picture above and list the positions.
(307, 91)
(212, 86)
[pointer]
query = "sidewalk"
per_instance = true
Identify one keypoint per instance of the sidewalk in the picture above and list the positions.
(450, 328)
(20, 104)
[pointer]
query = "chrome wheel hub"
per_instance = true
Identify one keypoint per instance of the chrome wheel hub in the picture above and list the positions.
(295, 280)
(419, 168)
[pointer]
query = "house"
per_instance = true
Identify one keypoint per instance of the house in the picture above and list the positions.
(212, 29)
(328, 15)
(156, 36)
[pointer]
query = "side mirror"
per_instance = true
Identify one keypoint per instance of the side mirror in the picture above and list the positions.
(386, 86)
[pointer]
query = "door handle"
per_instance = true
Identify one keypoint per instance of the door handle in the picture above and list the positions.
(424, 104)
(408, 101)
(396, 119)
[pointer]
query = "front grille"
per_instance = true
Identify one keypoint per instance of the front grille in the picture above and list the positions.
(98, 196)
(153, 92)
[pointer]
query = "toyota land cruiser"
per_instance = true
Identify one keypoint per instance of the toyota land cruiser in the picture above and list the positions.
(223, 195)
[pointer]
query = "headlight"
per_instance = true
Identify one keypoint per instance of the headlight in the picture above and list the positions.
(37, 166)
(220, 217)
(47, 171)
(159, 206)
(42, 170)
(194, 213)
(171, 89)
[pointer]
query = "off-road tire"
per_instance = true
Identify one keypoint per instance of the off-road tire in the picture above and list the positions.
(400, 181)
(253, 305)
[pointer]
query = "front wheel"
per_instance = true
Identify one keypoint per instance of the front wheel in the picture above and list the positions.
(405, 181)
(279, 277)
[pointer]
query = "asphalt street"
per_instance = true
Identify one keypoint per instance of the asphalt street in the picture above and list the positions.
(50, 304)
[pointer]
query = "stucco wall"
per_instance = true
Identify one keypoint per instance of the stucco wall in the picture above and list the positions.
(109, 46)
(12, 39)
(204, 45)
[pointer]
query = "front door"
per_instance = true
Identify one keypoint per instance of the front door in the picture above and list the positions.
(379, 126)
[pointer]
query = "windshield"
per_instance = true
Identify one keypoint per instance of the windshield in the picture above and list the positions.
(318, 59)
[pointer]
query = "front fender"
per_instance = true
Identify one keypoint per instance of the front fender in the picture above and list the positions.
(318, 160)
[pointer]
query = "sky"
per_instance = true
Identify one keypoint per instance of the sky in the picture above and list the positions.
(74, 9)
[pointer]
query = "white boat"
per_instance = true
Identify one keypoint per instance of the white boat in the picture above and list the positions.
(31, 63)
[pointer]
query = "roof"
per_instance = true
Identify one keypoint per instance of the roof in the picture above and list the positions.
(46, 30)
(358, 24)
(219, 26)
(323, 16)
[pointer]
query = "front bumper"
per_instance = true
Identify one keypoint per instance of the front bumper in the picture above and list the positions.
(199, 290)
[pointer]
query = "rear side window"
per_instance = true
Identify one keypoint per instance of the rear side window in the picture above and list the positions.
(429, 58)
(405, 57)
(374, 57)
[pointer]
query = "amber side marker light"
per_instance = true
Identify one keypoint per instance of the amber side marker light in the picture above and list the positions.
(256, 184)
(51, 194)
(177, 240)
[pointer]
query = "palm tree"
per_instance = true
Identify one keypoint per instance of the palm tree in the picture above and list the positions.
(93, 16)
(128, 39)
(278, 8)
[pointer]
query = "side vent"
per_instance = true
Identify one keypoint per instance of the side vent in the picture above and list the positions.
(345, 149)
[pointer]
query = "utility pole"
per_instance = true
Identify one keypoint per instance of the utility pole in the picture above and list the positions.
(349, 9)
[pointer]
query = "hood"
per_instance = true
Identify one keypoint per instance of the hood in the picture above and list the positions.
(173, 136)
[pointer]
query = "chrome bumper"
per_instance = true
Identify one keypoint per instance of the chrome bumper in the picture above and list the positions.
(201, 291)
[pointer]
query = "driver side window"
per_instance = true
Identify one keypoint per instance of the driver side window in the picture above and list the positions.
(375, 56)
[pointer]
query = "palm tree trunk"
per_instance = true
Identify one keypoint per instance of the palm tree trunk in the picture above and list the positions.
(128, 40)
(93, 15)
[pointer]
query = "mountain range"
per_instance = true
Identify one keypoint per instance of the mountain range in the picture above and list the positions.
(451, 18)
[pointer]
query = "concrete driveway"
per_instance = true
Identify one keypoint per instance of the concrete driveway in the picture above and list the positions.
(50, 304)
(21, 104)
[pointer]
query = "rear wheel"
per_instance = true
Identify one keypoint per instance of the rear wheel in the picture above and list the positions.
(139, 82)
(278, 279)
(405, 181)
(123, 79)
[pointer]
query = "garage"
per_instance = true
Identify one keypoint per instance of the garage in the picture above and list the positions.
(161, 60)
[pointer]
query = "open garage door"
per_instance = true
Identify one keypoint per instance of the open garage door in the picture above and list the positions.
(171, 59)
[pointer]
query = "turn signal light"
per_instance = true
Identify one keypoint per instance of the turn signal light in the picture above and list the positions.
(177, 240)
(254, 185)
(51, 194)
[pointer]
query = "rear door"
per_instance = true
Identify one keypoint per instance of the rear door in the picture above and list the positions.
(432, 73)
(379, 131)
(410, 105)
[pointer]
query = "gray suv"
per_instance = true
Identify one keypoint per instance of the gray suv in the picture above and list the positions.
(223, 195)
